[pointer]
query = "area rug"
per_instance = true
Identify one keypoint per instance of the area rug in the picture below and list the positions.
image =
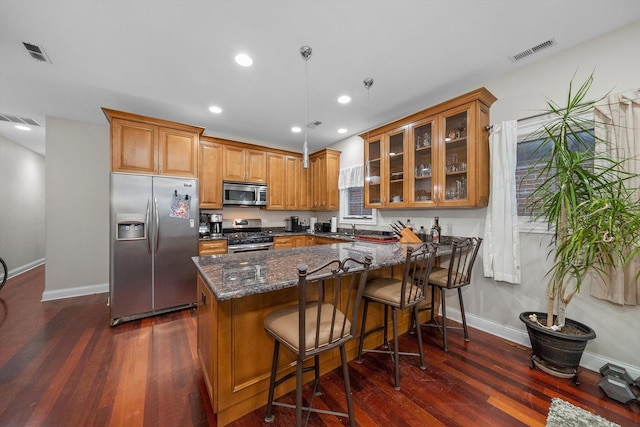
(564, 414)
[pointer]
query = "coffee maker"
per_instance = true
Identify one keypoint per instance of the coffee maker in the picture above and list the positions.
(292, 224)
(204, 230)
(215, 227)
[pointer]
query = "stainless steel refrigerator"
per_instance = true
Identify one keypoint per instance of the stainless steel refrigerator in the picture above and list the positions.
(154, 234)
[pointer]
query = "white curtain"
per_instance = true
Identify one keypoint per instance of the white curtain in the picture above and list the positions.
(351, 177)
(501, 246)
(617, 130)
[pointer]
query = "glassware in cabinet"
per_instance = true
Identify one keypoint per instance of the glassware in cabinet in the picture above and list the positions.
(456, 149)
(421, 163)
(396, 167)
(373, 170)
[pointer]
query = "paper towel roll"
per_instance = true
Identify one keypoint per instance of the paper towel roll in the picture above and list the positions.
(334, 224)
(312, 223)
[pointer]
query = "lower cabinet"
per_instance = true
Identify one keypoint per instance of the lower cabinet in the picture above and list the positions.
(288, 242)
(206, 343)
(212, 247)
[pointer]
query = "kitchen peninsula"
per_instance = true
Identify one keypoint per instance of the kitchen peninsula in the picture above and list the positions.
(236, 292)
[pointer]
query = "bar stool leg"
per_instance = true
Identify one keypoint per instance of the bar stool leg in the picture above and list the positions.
(272, 383)
(396, 356)
(444, 320)
(347, 386)
(416, 311)
(464, 318)
(365, 309)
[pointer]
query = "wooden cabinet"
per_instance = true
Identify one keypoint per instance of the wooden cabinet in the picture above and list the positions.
(276, 181)
(244, 164)
(206, 318)
(438, 157)
(146, 145)
(287, 182)
(386, 165)
(210, 173)
(212, 247)
(296, 241)
(319, 240)
(324, 167)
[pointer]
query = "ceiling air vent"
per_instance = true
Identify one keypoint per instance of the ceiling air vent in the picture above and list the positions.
(18, 120)
(36, 52)
(528, 52)
(314, 125)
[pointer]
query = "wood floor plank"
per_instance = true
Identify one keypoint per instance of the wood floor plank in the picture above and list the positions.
(61, 364)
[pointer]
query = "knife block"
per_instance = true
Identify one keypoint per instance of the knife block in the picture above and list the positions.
(408, 236)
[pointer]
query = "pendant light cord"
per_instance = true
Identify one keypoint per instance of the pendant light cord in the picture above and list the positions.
(305, 147)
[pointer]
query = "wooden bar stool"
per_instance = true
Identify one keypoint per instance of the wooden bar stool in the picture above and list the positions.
(455, 276)
(324, 318)
(399, 295)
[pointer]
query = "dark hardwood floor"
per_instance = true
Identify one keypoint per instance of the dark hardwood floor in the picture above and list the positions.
(61, 364)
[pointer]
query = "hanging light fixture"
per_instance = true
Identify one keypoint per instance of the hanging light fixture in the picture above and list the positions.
(368, 82)
(305, 52)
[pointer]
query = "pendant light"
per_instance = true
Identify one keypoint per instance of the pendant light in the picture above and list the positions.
(368, 82)
(305, 52)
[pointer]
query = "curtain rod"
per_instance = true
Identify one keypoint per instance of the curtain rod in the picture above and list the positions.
(489, 127)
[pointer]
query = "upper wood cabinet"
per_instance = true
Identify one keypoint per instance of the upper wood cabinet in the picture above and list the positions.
(210, 173)
(287, 182)
(438, 157)
(146, 145)
(386, 169)
(276, 181)
(244, 164)
(324, 167)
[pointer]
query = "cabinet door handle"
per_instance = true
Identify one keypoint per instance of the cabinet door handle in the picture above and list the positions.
(203, 298)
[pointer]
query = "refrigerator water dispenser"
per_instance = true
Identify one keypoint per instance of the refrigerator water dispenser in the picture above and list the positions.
(131, 227)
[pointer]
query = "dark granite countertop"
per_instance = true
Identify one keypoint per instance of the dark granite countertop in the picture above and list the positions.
(280, 233)
(243, 274)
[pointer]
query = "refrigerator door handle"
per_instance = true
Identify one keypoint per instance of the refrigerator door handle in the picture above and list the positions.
(155, 201)
(146, 224)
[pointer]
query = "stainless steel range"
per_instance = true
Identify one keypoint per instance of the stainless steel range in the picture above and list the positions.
(246, 235)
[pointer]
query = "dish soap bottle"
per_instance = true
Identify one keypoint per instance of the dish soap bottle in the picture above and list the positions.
(422, 234)
(435, 231)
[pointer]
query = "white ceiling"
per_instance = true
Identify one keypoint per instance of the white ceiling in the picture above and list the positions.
(173, 59)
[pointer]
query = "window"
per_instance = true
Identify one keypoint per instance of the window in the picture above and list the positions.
(352, 208)
(528, 154)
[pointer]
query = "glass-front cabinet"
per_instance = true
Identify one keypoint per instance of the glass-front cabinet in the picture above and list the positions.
(421, 161)
(456, 158)
(438, 157)
(385, 166)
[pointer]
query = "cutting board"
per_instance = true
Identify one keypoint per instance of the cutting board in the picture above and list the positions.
(376, 238)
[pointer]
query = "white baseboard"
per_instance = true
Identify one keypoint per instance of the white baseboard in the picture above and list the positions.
(591, 361)
(24, 268)
(75, 292)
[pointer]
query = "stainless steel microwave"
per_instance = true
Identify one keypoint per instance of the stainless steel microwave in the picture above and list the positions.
(244, 194)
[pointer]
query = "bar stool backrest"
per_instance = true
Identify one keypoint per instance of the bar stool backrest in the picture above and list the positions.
(328, 313)
(463, 256)
(417, 268)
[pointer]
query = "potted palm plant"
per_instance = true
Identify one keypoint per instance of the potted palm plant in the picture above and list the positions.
(582, 196)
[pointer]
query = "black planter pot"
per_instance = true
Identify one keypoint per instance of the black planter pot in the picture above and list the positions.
(554, 352)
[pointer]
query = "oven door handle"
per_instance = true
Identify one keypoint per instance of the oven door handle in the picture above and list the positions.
(250, 248)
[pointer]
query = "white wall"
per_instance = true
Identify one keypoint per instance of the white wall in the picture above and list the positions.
(22, 207)
(77, 222)
(495, 306)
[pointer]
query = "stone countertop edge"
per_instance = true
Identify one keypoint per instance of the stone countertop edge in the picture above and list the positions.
(238, 275)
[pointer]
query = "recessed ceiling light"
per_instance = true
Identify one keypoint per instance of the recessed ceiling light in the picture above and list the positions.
(215, 109)
(295, 129)
(342, 130)
(244, 60)
(344, 99)
(22, 127)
